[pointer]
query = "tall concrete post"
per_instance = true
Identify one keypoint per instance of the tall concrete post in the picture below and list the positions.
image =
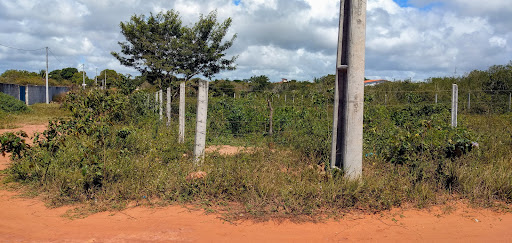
(455, 104)
(347, 136)
(47, 95)
(182, 114)
(168, 106)
(202, 110)
(436, 98)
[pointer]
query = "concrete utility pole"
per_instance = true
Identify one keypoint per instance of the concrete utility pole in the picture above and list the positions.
(455, 104)
(96, 78)
(105, 80)
(47, 95)
(202, 110)
(347, 135)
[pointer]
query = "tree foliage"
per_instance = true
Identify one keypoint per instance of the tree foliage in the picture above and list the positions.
(151, 46)
(202, 50)
(159, 46)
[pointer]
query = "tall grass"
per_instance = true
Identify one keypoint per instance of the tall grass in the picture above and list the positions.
(114, 154)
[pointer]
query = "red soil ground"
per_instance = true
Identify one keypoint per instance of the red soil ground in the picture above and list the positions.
(29, 220)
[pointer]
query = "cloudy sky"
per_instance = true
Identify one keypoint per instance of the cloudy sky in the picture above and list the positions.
(294, 39)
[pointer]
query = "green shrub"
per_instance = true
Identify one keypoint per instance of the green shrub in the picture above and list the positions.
(11, 104)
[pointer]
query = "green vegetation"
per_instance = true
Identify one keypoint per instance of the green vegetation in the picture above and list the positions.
(23, 77)
(11, 104)
(115, 150)
(160, 47)
(36, 114)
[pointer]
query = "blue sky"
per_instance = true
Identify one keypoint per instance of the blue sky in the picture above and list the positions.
(293, 39)
(402, 3)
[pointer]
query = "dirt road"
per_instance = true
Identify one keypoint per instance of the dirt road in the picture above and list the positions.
(29, 220)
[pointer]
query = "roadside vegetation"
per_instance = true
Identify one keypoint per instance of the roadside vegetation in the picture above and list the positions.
(114, 150)
(109, 148)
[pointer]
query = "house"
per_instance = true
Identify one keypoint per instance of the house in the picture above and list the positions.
(374, 82)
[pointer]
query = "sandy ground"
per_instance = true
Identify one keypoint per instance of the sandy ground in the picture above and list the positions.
(29, 220)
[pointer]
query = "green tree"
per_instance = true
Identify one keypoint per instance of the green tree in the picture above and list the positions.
(259, 83)
(55, 74)
(67, 73)
(202, 50)
(151, 46)
(78, 79)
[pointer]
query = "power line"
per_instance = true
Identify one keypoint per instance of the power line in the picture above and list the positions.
(55, 56)
(20, 49)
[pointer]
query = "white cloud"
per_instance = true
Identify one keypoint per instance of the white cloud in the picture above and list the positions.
(496, 41)
(295, 39)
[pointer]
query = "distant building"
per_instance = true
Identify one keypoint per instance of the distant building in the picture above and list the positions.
(283, 80)
(374, 82)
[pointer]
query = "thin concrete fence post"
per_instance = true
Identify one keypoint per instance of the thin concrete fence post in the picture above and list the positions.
(455, 103)
(202, 114)
(347, 135)
(510, 102)
(155, 104)
(160, 104)
(168, 106)
(26, 95)
(181, 138)
(436, 98)
(469, 102)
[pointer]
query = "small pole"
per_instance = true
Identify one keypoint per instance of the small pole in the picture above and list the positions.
(455, 98)
(26, 95)
(270, 118)
(168, 106)
(83, 74)
(182, 114)
(155, 105)
(202, 110)
(105, 80)
(385, 98)
(160, 104)
(285, 99)
(469, 102)
(436, 98)
(96, 78)
(509, 101)
(47, 95)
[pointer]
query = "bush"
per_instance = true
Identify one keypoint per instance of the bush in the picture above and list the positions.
(11, 104)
